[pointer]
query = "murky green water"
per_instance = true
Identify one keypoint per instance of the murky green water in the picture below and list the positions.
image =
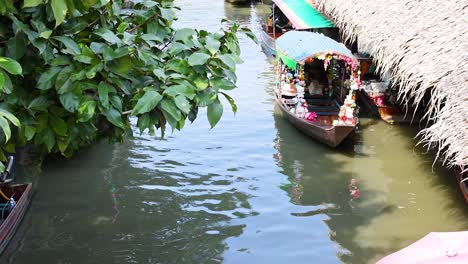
(252, 190)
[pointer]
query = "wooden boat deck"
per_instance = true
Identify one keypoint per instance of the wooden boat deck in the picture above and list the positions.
(321, 129)
(22, 194)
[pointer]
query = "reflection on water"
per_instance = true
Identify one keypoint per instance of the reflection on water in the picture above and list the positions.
(251, 190)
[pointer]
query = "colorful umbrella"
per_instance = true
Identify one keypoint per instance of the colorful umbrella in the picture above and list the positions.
(434, 248)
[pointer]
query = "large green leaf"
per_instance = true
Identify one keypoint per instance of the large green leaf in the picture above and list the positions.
(32, 3)
(182, 103)
(212, 44)
(179, 65)
(11, 66)
(107, 35)
(147, 102)
(59, 8)
(231, 102)
(71, 46)
(28, 132)
(70, 101)
(64, 83)
(86, 110)
(6, 128)
(47, 79)
(2, 81)
(215, 111)
(176, 90)
(114, 117)
(10, 117)
(39, 104)
(228, 60)
(198, 58)
(58, 125)
(170, 110)
(184, 34)
(46, 137)
(7, 84)
(104, 89)
(224, 84)
(17, 46)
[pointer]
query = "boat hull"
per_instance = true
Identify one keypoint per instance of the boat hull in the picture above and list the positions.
(12, 222)
(329, 135)
(389, 114)
(238, 2)
(268, 44)
(462, 184)
(268, 40)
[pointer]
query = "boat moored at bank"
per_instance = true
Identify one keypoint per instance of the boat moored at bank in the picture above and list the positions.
(316, 86)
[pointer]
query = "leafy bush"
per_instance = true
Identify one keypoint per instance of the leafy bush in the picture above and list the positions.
(74, 71)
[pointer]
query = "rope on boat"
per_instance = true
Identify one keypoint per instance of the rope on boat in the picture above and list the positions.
(4, 196)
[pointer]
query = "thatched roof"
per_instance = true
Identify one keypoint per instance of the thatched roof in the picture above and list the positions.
(424, 44)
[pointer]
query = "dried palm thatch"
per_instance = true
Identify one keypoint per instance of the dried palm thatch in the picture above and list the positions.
(424, 44)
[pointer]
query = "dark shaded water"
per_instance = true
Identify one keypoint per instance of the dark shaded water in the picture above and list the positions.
(251, 190)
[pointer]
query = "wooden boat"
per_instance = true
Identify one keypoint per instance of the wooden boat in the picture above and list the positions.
(322, 129)
(238, 2)
(12, 210)
(21, 193)
(373, 96)
(268, 39)
(300, 14)
(462, 179)
(391, 114)
(318, 115)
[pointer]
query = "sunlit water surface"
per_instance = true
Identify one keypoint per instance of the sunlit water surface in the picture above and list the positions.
(251, 190)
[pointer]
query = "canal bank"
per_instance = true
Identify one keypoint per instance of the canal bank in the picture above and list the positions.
(251, 190)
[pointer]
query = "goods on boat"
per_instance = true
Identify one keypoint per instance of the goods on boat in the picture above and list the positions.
(14, 201)
(287, 15)
(316, 84)
(379, 98)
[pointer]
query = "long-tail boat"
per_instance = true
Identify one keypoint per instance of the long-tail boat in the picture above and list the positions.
(15, 199)
(316, 83)
(289, 15)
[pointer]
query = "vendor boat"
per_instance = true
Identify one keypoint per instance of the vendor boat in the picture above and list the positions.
(290, 15)
(326, 112)
(378, 98)
(15, 199)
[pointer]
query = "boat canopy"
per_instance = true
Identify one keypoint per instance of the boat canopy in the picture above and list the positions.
(295, 47)
(302, 14)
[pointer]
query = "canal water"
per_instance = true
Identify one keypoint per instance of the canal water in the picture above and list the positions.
(251, 190)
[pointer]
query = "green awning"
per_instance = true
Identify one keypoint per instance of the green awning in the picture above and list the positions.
(302, 14)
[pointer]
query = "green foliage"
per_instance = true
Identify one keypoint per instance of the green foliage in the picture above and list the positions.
(75, 71)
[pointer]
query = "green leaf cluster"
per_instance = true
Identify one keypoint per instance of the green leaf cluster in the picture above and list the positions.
(75, 71)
